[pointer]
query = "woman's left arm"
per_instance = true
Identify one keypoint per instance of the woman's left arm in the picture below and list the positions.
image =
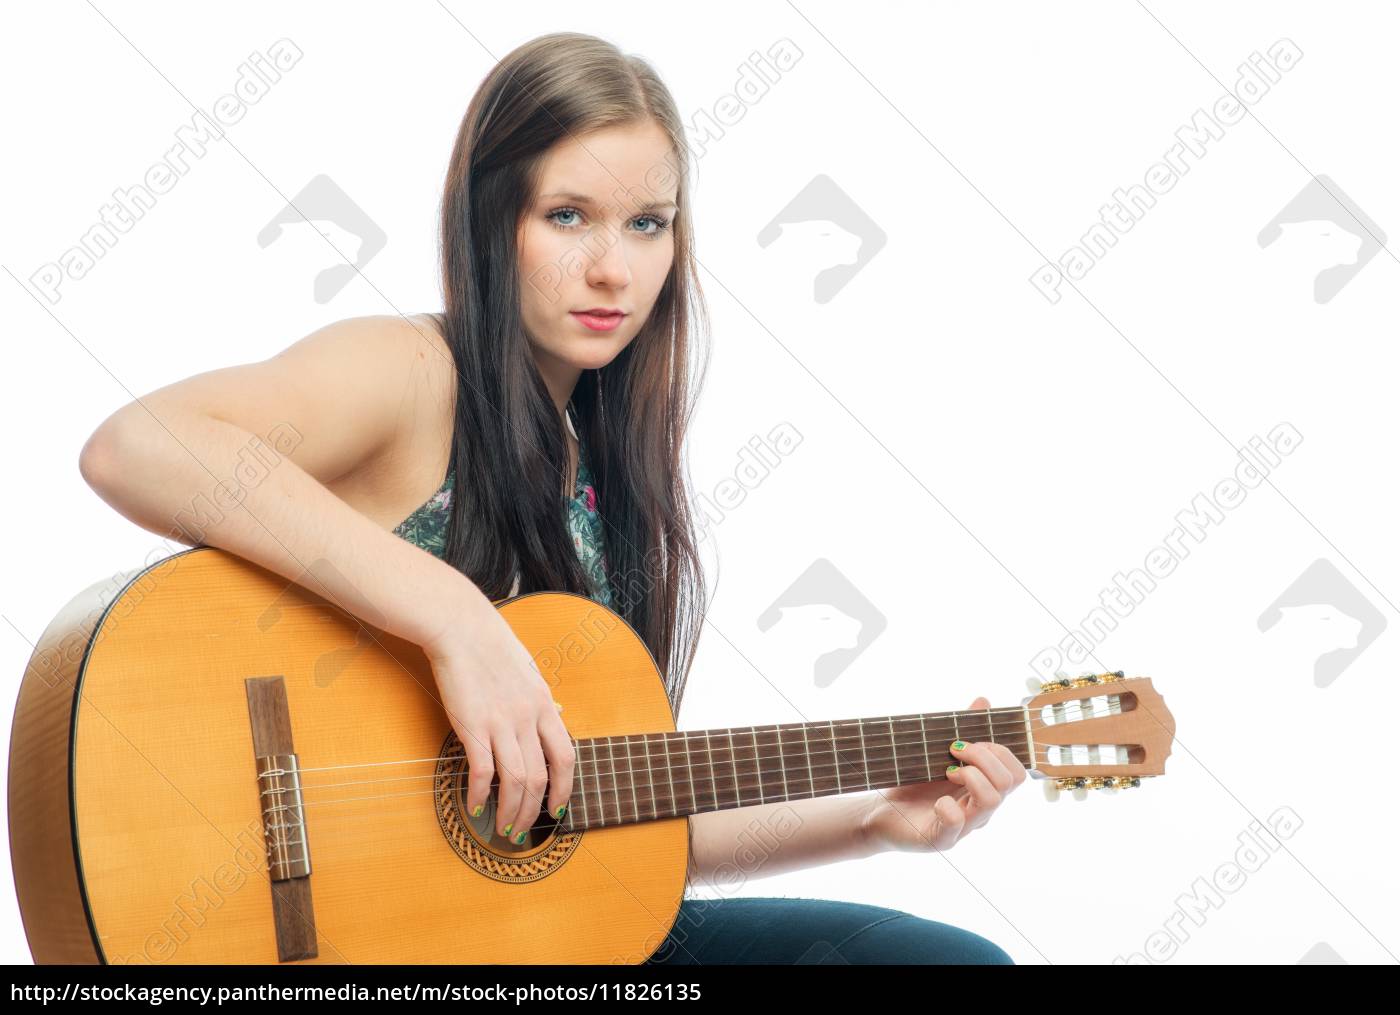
(734, 845)
(738, 844)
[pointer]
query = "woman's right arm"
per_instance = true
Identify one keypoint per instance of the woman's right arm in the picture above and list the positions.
(342, 402)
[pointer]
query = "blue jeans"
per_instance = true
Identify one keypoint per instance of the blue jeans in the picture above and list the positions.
(752, 931)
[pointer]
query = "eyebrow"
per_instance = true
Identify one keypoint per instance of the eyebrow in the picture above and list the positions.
(585, 199)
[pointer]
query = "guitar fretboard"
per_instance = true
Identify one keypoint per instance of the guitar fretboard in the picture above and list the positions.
(618, 780)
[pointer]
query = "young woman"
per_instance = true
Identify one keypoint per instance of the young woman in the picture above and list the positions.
(436, 452)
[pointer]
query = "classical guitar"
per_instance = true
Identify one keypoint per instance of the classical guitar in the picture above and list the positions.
(214, 765)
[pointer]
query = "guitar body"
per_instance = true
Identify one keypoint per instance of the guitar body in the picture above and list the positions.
(139, 823)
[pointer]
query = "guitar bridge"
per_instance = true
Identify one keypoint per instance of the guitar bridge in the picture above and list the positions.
(284, 818)
(284, 821)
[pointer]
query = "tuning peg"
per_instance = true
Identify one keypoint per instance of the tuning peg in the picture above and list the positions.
(1078, 783)
(1052, 790)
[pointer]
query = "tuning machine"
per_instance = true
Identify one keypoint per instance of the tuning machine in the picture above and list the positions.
(1088, 680)
(1098, 782)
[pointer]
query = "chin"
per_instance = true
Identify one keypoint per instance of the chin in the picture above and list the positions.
(597, 359)
(591, 353)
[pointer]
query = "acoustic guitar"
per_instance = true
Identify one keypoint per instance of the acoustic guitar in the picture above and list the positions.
(215, 765)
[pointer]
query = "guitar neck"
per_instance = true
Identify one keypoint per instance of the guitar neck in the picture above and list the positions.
(625, 779)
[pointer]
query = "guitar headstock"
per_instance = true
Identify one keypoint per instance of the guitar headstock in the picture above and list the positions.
(1102, 731)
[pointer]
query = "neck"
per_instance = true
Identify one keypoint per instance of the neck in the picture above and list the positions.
(559, 377)
(644, 776)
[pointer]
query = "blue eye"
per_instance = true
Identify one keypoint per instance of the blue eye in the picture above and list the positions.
(651, 234)
(660, 224)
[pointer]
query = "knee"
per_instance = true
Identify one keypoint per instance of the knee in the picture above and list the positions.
(912, 940)
(976, 950)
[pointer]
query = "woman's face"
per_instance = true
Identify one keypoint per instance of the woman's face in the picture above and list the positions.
(597, 237)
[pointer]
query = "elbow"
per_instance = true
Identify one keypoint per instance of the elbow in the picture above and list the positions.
(101, 459)
(94, 461)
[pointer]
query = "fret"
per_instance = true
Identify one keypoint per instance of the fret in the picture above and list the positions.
(651, 780)
(807, 753)
(713, 781)
(598, 776)
(928, 762)
(865, 762)
(991, 730)
(632, 777)
(976, 726)
(734, 766)
(690, 767)
(849, 769)
(835, 759)
(757, 762)
(616, 785)
(782, 761)
(894, 750)
(831, 781)
(607, 784)
(673, 805)
(914, 740)
(741, 769)
(580, 814)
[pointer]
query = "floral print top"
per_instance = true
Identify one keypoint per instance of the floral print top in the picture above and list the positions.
(427, 527)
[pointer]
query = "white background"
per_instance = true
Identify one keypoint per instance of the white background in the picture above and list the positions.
(977, 461)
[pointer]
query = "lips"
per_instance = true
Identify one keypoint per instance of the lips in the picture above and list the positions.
(599, 318)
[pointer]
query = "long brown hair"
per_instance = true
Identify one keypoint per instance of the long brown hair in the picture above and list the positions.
(509, 446)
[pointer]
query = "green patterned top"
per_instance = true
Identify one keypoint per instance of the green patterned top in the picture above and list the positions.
(427, 527)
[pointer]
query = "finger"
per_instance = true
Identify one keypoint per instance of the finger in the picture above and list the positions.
(1013, 764)
(982, 795)
(536, 777)
(510, 763)
(481, 768)
(559, 751)
(949, 828)
(981, 757)
(956, 777)
(974, 814)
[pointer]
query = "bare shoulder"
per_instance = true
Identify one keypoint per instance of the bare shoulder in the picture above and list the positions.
(372, 398)
(432, 372)
(394, 368)
(371, 344)
(413, 464)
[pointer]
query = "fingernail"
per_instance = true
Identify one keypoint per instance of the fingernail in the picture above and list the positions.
(520, 838)
(477, 813)
(507, 831)
(953, 768)
(958, 745)
(560, 812)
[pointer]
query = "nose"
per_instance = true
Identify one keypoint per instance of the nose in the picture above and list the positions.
(607, 267)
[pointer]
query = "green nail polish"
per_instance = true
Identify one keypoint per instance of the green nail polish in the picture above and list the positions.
(520, 838)
(507, 831)
(958, 745)
(953, 768)
(477, 813)
(560, 812)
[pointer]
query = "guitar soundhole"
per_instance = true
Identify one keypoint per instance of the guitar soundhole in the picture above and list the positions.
(476, 840)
